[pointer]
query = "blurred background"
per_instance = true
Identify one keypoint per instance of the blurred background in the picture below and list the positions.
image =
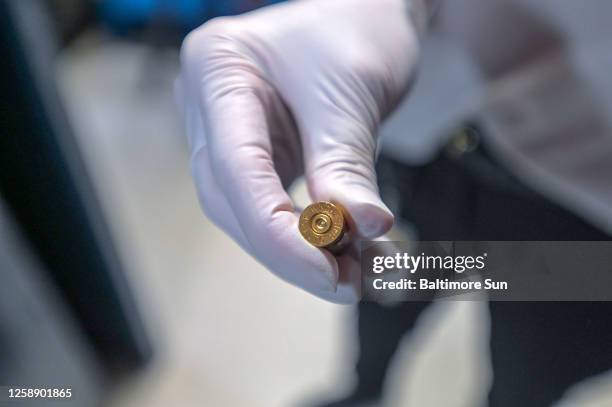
(112, 281)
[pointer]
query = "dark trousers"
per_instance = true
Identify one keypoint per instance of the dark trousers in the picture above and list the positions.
(538, 349)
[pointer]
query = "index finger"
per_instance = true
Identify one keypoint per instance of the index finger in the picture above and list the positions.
(232, 97)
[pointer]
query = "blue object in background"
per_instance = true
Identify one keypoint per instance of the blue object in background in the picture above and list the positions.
(230, 7)
(124, 15)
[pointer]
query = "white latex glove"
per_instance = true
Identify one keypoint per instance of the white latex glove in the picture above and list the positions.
(295, 88)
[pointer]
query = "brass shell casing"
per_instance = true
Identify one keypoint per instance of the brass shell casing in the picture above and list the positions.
(323, 224)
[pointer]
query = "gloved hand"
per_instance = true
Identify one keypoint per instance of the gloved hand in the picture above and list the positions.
(297, 88)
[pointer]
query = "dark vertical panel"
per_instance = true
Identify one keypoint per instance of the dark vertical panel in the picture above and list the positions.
(47, 189)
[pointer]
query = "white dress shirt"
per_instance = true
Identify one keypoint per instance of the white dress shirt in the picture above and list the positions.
(549, 121)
